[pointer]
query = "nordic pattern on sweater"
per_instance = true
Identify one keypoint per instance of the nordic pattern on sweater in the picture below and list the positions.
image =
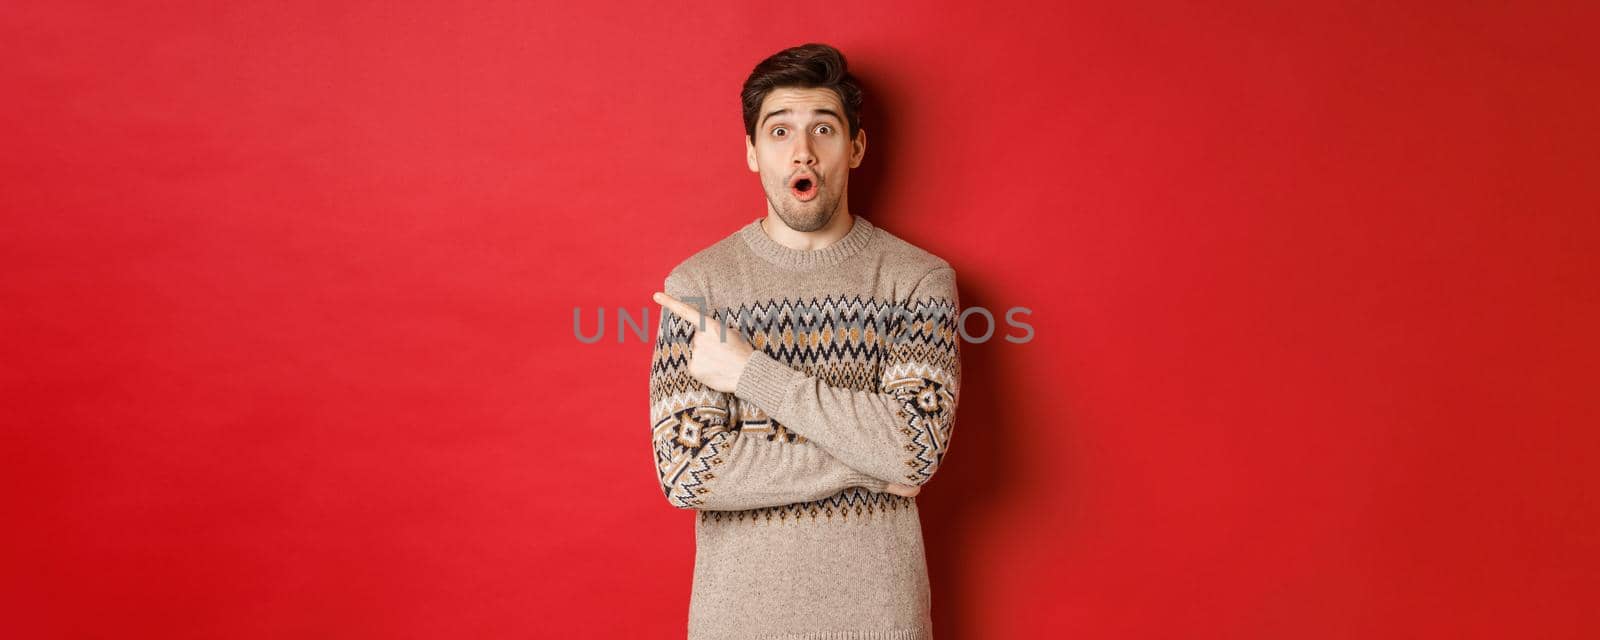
(907, 350)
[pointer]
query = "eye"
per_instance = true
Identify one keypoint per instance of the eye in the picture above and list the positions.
(825, 128)
(777, 131)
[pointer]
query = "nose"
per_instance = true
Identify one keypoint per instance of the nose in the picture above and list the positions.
(802, 152)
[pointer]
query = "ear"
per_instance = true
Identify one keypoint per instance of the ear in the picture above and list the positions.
(858, 148)
(750, 155)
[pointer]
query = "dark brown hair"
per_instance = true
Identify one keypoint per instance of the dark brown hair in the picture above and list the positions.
(812, 65)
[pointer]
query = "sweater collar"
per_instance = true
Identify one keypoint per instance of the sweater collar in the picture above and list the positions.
(860, 234)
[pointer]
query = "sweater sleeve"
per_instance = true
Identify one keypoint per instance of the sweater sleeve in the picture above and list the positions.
(900, 431)
(703, 461)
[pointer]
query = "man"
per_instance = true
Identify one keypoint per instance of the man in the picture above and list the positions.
(804, 385)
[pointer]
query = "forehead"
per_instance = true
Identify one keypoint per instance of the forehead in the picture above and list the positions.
(800, 102)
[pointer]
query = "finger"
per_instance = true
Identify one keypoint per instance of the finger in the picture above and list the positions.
(723, 326)
(682, 310)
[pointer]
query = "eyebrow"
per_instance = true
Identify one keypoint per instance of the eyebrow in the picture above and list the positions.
(820, 112)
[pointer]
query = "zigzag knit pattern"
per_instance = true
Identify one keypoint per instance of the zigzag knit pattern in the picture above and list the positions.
(907, 351)
(859, 502)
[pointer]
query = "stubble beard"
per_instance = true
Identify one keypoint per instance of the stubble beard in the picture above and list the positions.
(804, 216)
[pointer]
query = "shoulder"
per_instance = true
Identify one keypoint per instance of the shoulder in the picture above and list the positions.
(692, 274)
(910, 264)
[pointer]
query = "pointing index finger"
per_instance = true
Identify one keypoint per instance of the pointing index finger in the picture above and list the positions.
(684, 311)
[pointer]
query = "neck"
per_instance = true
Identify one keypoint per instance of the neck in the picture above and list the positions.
(780, 233)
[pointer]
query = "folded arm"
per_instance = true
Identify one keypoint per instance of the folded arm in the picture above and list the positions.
(703, 460)
(898, 432)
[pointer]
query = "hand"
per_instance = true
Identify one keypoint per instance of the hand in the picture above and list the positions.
(719, 351)
(907, 490)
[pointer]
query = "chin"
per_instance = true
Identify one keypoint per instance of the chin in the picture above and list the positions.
(805, 222)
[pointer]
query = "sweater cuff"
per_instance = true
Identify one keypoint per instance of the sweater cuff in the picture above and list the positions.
(766, 382)
(859, 479)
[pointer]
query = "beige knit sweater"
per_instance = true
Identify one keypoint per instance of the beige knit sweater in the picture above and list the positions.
(853, 385)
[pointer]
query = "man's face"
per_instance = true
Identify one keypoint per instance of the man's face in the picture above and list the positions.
(803, 151)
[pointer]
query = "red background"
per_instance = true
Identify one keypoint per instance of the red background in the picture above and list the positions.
(288, 291)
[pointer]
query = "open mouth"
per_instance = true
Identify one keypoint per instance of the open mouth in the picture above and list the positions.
(803, 188)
